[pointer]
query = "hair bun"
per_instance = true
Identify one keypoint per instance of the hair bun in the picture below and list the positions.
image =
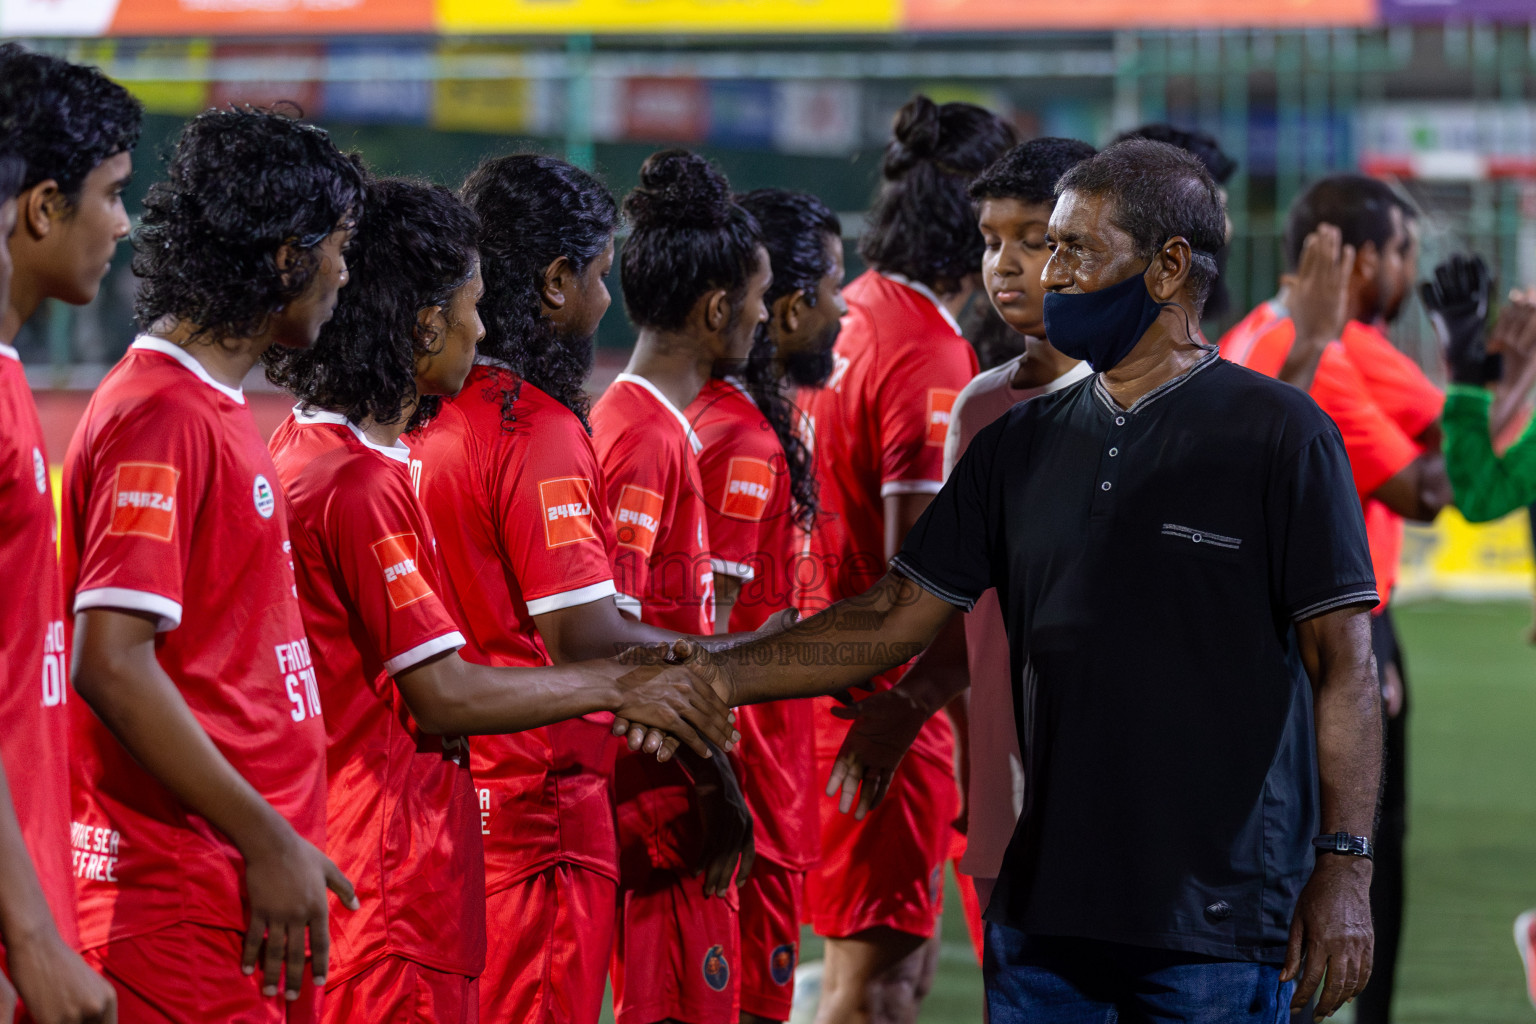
(915, 135)
(679, 189)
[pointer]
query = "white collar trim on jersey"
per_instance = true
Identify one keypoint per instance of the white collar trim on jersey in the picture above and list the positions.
(493, 361)
(693, 439)
(9, 352)
(399, 451)
(1069, 378)
(168, 348)
(927, 293)
(739, 385)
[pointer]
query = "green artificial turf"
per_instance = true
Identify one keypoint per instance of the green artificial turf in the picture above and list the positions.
(1472, 824)
(1471, 829)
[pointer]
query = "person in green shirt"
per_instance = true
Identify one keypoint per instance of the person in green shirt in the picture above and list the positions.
(1486, 485)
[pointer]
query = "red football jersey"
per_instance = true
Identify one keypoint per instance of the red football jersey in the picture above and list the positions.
(649, 454)
(522, 531)
(879, 427)
(1238, 342)
(402, 819)
(1410, 398)
(749, 513)
(1400, 387)
(34, 680)
(172, 508)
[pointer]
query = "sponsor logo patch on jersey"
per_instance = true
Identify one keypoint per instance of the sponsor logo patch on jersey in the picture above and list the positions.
(264, 497)
(748, 486)
(397, 555)
(781, 964)
(39, 471)
(717, 970)
(940, 402)
(638, 518)
(144, 500)
(567, 502)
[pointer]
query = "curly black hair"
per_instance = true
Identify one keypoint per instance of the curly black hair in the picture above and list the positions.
(922, 225)
(1029, 171)
(533, 210)
(243, 183)
(66, 118)
(688, 238)
(414, 250)
(795, 230)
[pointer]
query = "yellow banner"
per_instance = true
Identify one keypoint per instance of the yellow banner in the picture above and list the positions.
(497, 105)
(616, 16)
(181, 98)
(1454, 558)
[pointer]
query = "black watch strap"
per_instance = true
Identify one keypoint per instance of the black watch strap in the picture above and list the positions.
(1343, 842)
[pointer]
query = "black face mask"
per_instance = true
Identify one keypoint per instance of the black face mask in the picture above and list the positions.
(1103, 327)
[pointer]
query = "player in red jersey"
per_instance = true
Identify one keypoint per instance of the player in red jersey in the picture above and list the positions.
(61, 217)
(879, 436)
(508, 464)
(695, 273)
(759, 486)
(397, 696)
(1014, 200)
(198, 748)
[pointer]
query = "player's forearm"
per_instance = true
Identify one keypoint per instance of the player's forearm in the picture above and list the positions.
(850, 642)
(1348, 723)
(942, 672)
(449, 696)
(24, 912)
(134, 698)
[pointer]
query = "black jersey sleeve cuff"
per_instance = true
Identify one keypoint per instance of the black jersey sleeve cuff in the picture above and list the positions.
(1358, 594)
(902, 564)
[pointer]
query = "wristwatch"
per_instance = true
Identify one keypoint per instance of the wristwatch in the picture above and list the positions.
(1343, 842)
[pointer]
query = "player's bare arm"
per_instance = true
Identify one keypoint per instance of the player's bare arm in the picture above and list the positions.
(54, 982)
(452, 697)
(117, 674)
(1331, 932)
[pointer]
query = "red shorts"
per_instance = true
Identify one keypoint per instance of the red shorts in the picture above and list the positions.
(190, 974)
(402, 991)
(770, 939)
(684, 950)
(548, 939)
(886, 871)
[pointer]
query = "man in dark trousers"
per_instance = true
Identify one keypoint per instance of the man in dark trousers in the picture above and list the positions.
(1182, 567)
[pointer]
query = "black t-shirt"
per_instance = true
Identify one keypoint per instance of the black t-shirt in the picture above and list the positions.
(1151, 564)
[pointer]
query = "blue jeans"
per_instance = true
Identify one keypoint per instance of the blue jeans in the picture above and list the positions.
(1083, 981)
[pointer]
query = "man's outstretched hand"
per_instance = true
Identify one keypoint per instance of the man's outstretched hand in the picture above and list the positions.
(1331, 933)
(674, 690)
(884, 727)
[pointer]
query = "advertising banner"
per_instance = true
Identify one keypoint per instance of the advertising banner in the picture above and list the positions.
(1510, 11)
(639, 16)
(212, 17)
(961, 15)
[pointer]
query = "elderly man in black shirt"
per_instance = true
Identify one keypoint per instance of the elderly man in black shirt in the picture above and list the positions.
(1182, 566)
